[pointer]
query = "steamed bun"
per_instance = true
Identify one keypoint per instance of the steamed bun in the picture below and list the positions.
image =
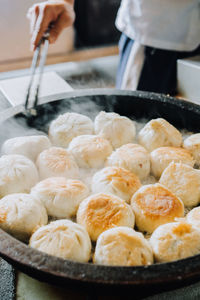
(67, 126)
(175, 241)
(192, 143)
(60, 196)
(29, 146)
(154, 205)
(57, 162)
(183, 181)
(161, 158)
(132, 157)
(193, 217)
(100, 212)
(21, 214)
(17, 174)
(63, 238)
(115, 128)
(122, 246)
(117, 181)
(159, 133)
(90, 151)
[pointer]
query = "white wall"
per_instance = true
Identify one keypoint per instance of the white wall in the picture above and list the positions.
(14, 32)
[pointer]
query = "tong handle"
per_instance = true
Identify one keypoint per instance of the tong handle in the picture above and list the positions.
(44, 40)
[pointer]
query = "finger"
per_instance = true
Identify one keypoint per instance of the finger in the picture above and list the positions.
(57, 28)
(41, 25)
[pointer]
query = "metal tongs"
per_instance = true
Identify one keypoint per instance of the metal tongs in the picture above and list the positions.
(31, 111)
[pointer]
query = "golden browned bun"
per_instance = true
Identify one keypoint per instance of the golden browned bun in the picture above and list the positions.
(175, 241)
(63, 238)
(159, 133)
(182, 180)
(192, 143)
(90, 151)
(60, 196)
(57, 162)
(154, 205)
(193, 217)
(132, 157)
(119, 130)
(161, 158)
(67, 126)
(100, 212)
(122, 246)
(117, 181)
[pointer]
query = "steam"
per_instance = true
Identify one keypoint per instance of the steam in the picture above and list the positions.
(18, 126)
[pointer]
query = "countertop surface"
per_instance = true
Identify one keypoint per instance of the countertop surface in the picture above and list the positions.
(15, 285)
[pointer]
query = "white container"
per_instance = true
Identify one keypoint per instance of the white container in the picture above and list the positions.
(188, 76)
(15, 36)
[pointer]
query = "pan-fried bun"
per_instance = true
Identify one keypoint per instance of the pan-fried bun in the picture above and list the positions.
(175, 241)
(60, 196)
(159, 133)
(122, 246)
(132, 157)
(193, 217)
(63, 238)
(192, 143)
(117, 129)
(29, 146)
(17, 174)
(100, 212)
(161, 158)
(154, 205)
(117, 181)
(183, 181)
(21, 214)
(90, 151)
(67, 126)
(57, 162)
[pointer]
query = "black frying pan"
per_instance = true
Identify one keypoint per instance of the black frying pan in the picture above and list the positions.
(138, 106)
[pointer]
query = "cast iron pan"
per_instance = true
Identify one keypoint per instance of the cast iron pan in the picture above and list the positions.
(136, 105)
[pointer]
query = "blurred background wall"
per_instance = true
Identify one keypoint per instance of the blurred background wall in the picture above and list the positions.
(94, 27)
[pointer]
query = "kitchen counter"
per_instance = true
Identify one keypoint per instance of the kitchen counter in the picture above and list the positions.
(95, 73)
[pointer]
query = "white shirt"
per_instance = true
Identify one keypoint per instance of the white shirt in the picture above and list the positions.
(164, 24)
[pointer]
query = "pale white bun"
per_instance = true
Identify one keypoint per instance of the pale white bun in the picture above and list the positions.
(63, 238)
(159, 133)
(163, 156)
(100, 212)
(29, 146)
(132, 157)
(21, 214)
(17, 174)
(192, 143)
(117, 129)
(117, 181)
(193, 217)
(67, 126)
(183, 181)
(90, 151)
(154, 205)
(175, 241)
(60, 196)
(122, 246)
(57, 162)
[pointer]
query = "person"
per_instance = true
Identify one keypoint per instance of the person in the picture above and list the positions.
(155, 34)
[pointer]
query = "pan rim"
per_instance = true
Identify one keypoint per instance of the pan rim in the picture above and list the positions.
(10, 248)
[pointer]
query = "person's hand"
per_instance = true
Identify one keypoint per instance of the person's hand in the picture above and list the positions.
(59, 14)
